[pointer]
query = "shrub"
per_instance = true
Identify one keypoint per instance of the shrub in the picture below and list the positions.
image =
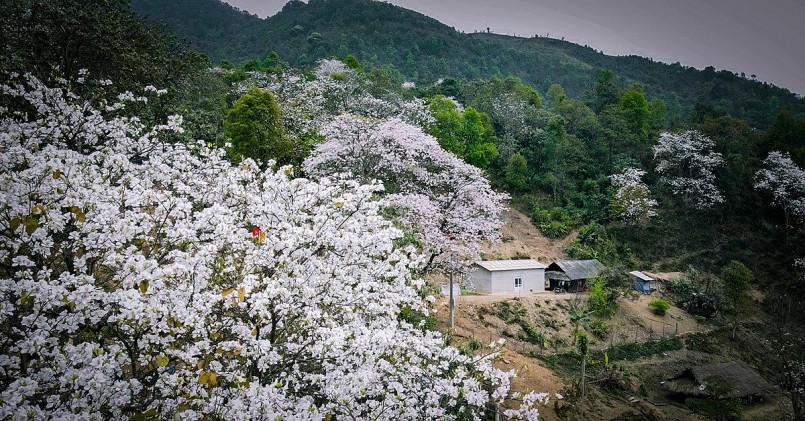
(659, 306)
(540, 216)
(593, 242)
(736, 278)
(554, 229)
(561, 214)
(470, 347)
(691, 295)
(509, 311)
(554, 223)
(531, 335)
(418, 319)
(599, 328)
(715, 409)
(700, 342)
(602, 299)
(633, 351)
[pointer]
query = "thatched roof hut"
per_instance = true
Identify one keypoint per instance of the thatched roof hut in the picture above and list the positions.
(737, 379)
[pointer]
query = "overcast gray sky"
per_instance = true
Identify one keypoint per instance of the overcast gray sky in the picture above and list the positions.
(761, 37)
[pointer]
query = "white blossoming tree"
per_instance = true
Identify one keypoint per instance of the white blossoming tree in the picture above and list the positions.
(308, 105)
(143, 278)
(446, 201)
(686, 162)
(781, 177)
(632, 203)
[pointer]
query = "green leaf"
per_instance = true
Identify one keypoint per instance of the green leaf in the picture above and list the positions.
(162, 360)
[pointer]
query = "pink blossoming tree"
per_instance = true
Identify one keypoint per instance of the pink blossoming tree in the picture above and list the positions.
(447, 202)
(132, 285)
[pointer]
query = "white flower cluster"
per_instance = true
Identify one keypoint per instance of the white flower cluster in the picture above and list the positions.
(632, 203)
(687, 162)
(308, 105)
(328, 67)
(141, 278)
(515, 116)
(781, 177)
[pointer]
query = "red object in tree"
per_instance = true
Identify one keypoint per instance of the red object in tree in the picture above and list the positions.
(255, 231)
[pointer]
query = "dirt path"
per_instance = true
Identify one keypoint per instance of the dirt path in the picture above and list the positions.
(548, 313)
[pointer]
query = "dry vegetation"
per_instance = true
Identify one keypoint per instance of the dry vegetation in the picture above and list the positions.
(550, 366)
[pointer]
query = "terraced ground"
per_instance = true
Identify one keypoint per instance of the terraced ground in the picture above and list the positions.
(613, 386)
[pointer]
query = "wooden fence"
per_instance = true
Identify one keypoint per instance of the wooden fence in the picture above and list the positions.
(619, 335)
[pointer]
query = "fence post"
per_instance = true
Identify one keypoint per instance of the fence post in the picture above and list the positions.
(635, 332)
(663, 330)
(676, 332)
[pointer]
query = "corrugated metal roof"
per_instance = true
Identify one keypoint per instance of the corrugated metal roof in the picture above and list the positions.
(578, 269)
(499, 265)
(558, 276)
(641, 275)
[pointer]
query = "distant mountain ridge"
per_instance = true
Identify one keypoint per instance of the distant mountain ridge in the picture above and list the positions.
(424, 49)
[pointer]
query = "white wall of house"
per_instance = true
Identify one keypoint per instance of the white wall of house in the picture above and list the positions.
(503, 281)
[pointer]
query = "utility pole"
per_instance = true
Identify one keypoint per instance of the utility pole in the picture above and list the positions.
(452, 302)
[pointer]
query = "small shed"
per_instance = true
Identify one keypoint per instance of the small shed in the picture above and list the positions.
(508, 276)
(642, 282)
(734, 379)
(572, 275)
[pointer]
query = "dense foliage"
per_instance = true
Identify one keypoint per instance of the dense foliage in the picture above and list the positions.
(62, 37)
(146, 273)
(142, 278)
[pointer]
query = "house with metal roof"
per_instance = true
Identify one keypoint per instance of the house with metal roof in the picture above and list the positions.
(642, 282)
(508, 276)
(572, 275)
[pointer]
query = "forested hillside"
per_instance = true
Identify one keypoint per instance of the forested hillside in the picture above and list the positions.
(422, 49)
(186, 238)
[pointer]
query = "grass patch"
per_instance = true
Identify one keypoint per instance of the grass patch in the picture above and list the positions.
(508, 311)
(700, 342)
(531, 335)
(567, 360)
(634, 351)
(715, 409)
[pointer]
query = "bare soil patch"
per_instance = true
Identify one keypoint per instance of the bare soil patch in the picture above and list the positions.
(521, 239)
(548, 313)
(637, 312)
